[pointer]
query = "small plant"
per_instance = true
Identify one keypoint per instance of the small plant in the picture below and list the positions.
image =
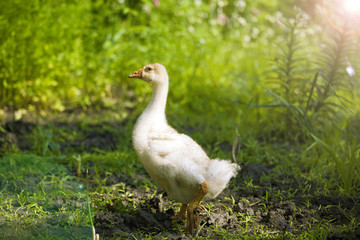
(43, 142)
(95, 236)
(78, 167)
(347, 165)
(208, 208)
(249, 186)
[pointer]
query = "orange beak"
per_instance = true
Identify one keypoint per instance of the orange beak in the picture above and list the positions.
(136, 74)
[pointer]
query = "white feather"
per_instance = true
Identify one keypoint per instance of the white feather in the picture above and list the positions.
(173, 160)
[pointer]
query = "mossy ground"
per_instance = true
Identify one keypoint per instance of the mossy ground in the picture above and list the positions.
(43, 191)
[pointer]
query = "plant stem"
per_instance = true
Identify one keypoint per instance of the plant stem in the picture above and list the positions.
(87, 197)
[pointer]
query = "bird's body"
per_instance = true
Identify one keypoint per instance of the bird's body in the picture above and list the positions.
(173, 160)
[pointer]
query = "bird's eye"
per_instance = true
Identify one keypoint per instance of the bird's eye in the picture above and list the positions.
(149, 69)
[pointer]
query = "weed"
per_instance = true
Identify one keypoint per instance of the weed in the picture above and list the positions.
(208, 208)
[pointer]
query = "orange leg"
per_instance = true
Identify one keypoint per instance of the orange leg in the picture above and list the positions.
(181, 215)
(193, 208)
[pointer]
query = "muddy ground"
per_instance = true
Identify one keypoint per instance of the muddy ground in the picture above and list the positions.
(274, 205)
(233, 211)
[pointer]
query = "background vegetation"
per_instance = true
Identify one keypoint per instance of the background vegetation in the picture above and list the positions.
(282, 75)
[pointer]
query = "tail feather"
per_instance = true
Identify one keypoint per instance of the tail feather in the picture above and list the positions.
(219, 174)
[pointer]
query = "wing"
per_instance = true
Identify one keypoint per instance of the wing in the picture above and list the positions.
(164, 143)
(172, 143)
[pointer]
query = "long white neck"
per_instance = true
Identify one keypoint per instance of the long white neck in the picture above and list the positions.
(156, 108)
(153, 118)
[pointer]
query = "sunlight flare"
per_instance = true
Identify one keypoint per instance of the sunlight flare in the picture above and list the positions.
(352, 6)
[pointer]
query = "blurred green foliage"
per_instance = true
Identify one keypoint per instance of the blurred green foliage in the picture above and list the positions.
(276, 73)
(62, 54)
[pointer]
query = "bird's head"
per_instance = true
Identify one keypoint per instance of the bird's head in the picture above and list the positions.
(154, 73)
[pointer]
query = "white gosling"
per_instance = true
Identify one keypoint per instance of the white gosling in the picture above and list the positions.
(174, 160)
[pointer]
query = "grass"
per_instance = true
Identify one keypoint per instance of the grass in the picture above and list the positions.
(37, 191)
(67, 110)
(44, 196)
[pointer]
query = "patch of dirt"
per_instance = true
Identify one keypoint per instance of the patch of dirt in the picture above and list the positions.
(14, 135)
(93, 136)
(235, 211)
(69, 136)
